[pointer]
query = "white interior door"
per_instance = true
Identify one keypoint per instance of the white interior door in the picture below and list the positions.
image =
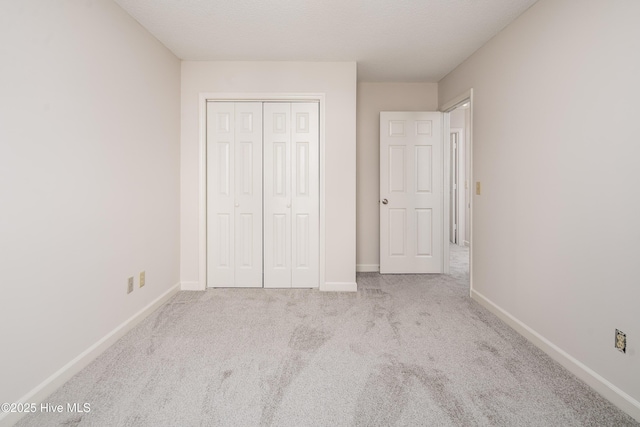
(411, 192)
(234, 194)
(291, 195)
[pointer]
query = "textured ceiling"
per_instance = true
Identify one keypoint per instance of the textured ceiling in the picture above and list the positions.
(391, 40)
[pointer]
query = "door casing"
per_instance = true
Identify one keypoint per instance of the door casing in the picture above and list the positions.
(458, 206)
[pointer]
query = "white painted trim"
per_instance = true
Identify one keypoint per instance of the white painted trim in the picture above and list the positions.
(471, 183)
(202, 195)
(609, 391)
(460, 132)
(64, 374)
(339, 287)
(202, 211)
(321, 98)
(446, 191)
(454, 103)
(190, 286)
(367, 268)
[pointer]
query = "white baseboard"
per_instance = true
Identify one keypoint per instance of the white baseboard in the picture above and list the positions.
(367, 268)
(328, 286)
(609, 391)
(55, 381)
(191, 286)
(339, 287)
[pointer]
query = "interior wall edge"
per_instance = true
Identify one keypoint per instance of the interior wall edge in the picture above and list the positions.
(64, 374)
(336, 81)
(600, 384)
(191, 286)
(367, 268)
(372, 98)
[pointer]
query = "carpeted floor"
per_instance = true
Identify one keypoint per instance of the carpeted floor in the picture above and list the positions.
(403, 350)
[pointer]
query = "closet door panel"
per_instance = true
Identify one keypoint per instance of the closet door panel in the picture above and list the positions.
(248, 194)
(277, 195)
(263, 194)
(220, 194)
(305, 188)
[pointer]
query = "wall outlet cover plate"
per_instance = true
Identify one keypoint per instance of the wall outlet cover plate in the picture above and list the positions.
(621, 341)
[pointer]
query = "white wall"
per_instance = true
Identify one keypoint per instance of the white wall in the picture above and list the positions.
(373, 98)
(556, 147)
(89, 180)
(337, 80)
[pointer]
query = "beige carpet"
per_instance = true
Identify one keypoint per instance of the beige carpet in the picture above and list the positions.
(404, 350)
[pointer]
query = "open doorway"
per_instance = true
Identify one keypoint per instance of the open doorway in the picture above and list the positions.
(459, 175)
(459, 186)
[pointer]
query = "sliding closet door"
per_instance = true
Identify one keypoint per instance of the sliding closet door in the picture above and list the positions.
(291, 195)
(234, 194)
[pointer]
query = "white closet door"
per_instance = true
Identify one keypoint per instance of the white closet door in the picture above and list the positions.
(234, 194)
(277, 195)
(248, 194)
(305, 191)
(291, 195)
(220, 194)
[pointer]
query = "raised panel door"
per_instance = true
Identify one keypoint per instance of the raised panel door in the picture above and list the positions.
(411, 192)
(234, 194)
(277, 195)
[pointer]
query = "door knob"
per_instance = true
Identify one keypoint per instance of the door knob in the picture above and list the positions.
(385, 201)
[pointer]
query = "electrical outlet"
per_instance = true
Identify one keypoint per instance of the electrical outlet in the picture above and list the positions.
(130, 285)
(621, 341)
(142, 278)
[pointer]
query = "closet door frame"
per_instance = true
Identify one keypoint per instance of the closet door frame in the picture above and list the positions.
(202, 196)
